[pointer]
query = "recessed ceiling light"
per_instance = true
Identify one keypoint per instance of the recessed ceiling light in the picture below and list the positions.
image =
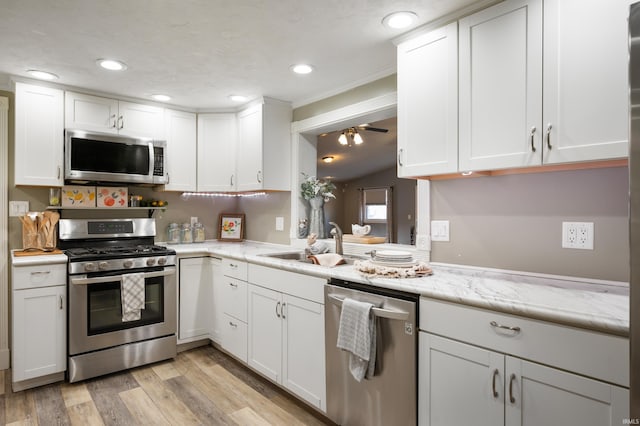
(302, 68)
(112, 64)
(161, 98)
(399, 20)
(238, 98)
(328, 159)
(42, 75)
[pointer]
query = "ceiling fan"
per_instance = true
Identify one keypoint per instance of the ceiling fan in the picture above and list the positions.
(352, 134)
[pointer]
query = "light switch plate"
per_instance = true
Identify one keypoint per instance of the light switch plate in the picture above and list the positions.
(18, 208)
(279, 223)
(439, 230)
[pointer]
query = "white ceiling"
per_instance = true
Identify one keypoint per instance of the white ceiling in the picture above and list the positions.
(201, 51)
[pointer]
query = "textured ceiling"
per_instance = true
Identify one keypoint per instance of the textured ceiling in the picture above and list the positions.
(201, 51)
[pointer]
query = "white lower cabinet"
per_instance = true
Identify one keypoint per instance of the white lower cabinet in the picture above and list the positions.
(465, 384)
(39, 326)
(480, 384)
(286, 332)
(195, 295)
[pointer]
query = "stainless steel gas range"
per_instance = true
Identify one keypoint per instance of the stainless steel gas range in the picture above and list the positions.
(104, 256)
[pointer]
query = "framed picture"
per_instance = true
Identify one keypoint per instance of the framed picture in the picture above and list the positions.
(231, 227)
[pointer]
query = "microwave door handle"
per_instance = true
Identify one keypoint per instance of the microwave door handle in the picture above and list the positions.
(152, 160)
(171, 270)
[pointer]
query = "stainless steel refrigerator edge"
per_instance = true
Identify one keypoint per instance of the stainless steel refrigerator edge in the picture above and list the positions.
(634, 206)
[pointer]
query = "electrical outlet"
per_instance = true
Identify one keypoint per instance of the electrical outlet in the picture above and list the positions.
(194, 220)
(577, 235)
(439, 230)
(279, 223)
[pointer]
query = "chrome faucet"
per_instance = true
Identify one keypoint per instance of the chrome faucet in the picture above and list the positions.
(337, 235)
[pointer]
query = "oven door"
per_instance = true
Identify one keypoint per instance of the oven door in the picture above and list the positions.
(95, 310)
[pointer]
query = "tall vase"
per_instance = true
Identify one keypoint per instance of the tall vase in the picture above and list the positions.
(316, 219)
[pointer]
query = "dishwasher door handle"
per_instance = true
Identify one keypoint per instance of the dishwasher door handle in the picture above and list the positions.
(378, 312)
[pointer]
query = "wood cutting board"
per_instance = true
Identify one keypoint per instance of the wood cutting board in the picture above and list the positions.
(20, 253)
(367, 239)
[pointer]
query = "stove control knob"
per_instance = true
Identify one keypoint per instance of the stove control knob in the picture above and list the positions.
(128, 263)
(103, 265)
(89, 267)
(151, 261)
(162, 261)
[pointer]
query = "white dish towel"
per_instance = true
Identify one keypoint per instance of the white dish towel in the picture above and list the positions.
(357, 335)
(132, 296)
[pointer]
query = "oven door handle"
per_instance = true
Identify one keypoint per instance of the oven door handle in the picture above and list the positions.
(169, 270)
(378, 312)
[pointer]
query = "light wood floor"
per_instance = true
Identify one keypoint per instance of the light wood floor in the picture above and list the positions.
(201, 386)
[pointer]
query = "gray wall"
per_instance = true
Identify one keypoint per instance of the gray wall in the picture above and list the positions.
(370, 90)
(515, 222)
(345, 209)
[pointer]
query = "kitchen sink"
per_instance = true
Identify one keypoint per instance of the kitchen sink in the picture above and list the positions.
(301, 256)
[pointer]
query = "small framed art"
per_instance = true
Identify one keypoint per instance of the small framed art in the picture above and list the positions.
(231, 227)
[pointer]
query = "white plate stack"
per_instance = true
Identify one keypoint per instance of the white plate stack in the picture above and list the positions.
(393, 258)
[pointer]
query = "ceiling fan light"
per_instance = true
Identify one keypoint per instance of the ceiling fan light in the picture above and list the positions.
(328, 159)
(357, 138)
(343, 139)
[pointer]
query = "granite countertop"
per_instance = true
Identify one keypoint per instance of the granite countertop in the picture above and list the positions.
(590, 304)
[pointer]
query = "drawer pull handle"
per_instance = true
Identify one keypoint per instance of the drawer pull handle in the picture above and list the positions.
(40, 272)
(233, 265)
(277, 306)
(511, 380)
(233, 285)
(505, 327)
(61, 305)
(233, 325)
(493, 383)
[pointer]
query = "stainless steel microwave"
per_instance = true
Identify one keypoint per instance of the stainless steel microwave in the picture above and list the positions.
(102, 157)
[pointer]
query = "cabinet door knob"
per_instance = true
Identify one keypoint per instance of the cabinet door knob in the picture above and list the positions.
(259, 176)
(61, 303)
(120, 122)
(282, 310)
(231, 180)
(113, 116)
(533, 131)
(493, 383)
(277, 306)
(549, 126)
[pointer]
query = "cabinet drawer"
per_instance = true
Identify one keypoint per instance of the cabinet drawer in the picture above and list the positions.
(234, 337)
(292, 283)
(598, 355)
(39, 276)
(234, 296)
(234, 268)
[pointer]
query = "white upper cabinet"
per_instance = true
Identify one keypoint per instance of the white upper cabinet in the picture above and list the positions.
(181, 157)
(264, 147)
(501, 86)
(217, 140)
(98, 114)
(585, 80)
(39, 135)
(428, 103)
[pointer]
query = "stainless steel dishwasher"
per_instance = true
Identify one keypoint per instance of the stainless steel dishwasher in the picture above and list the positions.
(390, 396)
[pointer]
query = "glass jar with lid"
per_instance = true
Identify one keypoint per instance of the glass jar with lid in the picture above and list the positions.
(186, 236)
(173, 233)
(198, 232)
